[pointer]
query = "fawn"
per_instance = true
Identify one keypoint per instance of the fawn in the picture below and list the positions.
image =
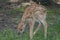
(33, 13)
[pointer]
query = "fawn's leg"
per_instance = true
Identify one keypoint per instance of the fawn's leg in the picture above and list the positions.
(39, 25)
(45, 28)
(31, 29)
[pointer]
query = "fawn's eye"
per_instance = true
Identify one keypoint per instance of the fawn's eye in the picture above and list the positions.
(21, 29)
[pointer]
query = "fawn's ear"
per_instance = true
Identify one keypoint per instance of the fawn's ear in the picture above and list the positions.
(26, 4)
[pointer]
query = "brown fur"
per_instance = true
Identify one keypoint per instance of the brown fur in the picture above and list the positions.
(29, 16)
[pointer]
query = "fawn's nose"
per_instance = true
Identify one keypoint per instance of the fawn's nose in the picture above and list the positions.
(21, 31)
(18, 33)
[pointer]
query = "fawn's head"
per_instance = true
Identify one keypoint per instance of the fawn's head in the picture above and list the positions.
(21, 28)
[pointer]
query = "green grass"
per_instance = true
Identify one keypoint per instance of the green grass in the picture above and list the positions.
(53, 19)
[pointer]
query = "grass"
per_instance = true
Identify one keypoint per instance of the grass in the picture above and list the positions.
(53, 19)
